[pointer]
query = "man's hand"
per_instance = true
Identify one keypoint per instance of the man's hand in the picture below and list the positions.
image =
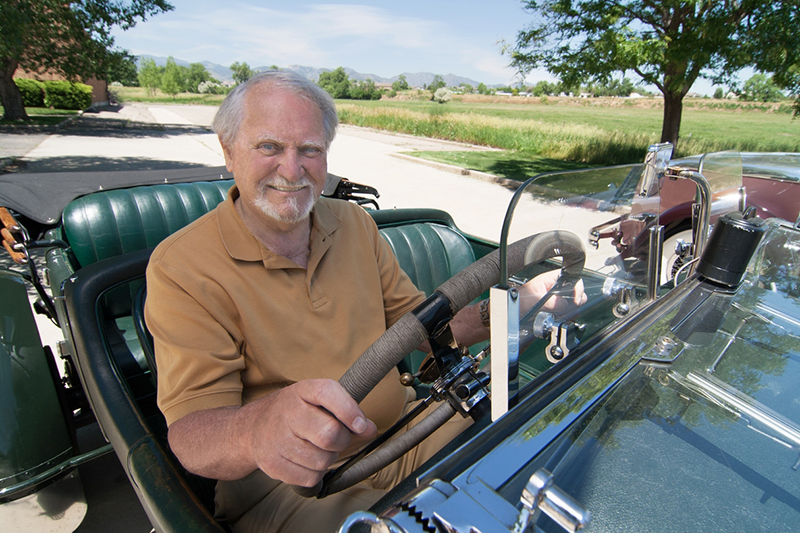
(293, 435)
(302, 430)
(564, 300)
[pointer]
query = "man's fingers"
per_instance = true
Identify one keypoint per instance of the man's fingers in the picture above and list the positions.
(330, 395)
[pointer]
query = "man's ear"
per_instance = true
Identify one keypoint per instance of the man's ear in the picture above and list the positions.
(228, 153)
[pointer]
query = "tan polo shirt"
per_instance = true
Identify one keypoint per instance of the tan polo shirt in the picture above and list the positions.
(233, 321)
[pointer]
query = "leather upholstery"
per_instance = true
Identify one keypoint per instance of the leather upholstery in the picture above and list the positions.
(429, 253)
(108, 224)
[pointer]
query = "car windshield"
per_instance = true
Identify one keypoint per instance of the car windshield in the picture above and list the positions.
(693, 424)
(611, 213)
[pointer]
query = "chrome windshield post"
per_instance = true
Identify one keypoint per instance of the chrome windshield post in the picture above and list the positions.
(654, 266)
(504, 322)
(703, 214)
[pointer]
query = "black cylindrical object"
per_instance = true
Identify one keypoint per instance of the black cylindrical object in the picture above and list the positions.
(732, 244)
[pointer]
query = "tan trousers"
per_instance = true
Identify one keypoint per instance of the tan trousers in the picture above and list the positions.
(258, 503)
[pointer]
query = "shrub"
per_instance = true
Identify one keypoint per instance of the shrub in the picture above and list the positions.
(442, 95)
(209, 87)
(67, 95)
(32, 92)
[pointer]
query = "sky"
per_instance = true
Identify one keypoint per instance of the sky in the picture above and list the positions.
(461, 37)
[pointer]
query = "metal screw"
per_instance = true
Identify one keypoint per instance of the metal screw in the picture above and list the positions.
(556, 352)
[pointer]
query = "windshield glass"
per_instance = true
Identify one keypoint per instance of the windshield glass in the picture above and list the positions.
(694, 422)
(704, 432)
(619, 216)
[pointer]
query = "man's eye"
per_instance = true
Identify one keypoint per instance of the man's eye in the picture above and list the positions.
(311, 150)
(268, 147)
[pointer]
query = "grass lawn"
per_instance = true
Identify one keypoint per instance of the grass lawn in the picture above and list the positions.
(537, 135)
(40, 116)
(508, 164)
(140, 94)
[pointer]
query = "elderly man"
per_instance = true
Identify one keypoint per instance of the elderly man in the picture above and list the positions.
(258, 307)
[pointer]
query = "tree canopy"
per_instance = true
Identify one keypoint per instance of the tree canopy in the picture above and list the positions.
(339, 85)
(70, 38)
(241, 72)
(760, 88)
(668, 43)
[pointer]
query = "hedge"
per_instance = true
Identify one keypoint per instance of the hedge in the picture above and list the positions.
(67, 95)
(32, 92)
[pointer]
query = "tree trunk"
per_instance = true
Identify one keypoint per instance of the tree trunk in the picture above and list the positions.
(673, 110)
(10, 96)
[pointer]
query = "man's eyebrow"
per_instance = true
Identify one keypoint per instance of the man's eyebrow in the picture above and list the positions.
(315, 144)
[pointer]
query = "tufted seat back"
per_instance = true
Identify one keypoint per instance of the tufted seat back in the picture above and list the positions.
(112, 223)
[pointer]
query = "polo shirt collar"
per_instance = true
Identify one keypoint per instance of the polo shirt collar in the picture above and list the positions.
(243, 246)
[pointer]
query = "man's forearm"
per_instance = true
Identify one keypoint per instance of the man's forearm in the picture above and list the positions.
(213, 443)
(292, 435)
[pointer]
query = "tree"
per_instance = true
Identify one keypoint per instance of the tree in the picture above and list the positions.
(668, 43)
(195, 75)
(482, 89)
(69, 38)
(241, 72)
(123, 70)
(760, 88)
(436, 84)
(172, 78)
(150, 75)
(365, 90)
(401, 84)
(336, 82)
(719, 93)
(442, 95)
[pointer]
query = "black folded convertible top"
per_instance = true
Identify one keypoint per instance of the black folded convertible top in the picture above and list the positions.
(42, 197)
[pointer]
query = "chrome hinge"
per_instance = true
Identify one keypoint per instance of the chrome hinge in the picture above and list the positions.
(541, 495)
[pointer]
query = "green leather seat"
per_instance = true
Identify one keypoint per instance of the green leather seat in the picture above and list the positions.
(107, 224)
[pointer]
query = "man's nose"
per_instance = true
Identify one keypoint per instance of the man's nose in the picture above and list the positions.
(291, 165)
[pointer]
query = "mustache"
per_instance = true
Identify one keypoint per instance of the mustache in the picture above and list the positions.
(283, 182)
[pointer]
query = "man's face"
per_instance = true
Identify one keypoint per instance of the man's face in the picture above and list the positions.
(278, 158)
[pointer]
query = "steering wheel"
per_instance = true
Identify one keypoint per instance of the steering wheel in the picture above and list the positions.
(415, 327)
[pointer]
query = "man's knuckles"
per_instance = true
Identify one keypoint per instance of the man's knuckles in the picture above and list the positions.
(332, 435)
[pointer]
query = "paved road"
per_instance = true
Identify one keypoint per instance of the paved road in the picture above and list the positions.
(143, 136)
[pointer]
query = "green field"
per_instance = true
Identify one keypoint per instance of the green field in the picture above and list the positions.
(532, 134)
(140, 94)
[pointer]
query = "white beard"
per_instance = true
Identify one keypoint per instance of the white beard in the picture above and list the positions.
(297, 211)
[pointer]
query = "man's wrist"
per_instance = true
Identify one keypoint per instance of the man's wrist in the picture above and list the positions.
(483, 310)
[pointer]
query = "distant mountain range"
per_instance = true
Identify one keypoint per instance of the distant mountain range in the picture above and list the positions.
(414, 79)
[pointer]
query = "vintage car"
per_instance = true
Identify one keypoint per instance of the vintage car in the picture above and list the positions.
(652, 406)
